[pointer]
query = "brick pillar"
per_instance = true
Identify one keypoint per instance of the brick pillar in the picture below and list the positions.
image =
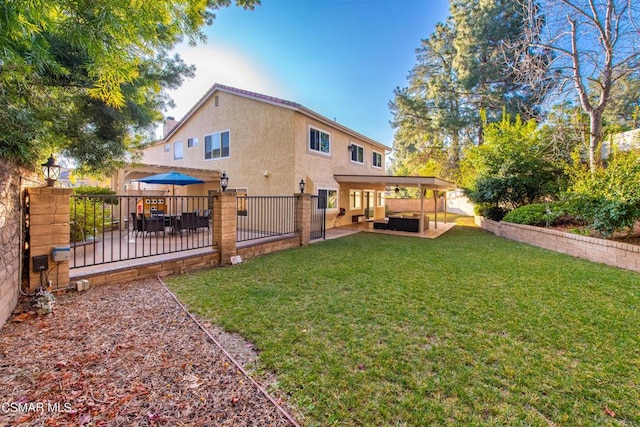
(48, 228)
(303, 218)
(224, 226)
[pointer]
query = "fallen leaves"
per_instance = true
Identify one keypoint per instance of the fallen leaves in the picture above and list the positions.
(124, 354)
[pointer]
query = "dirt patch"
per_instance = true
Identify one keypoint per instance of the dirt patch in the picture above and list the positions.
(125, 354)
(631, 237)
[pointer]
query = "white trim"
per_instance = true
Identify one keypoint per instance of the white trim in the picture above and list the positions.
(175, 151)
(352, 206)
(312, 151)
(373, 152)
(428, 182)
(337, 197)
(355, 150)
(380, 198)
(204, 146)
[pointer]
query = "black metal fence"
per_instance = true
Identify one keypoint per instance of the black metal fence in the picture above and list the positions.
(264, 216)
(318, 217)
(105, 228)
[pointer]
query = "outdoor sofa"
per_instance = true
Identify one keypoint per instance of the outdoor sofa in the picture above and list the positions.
(402, 223)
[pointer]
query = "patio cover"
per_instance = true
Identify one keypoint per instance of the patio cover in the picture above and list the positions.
(428, 182)
(421, 182)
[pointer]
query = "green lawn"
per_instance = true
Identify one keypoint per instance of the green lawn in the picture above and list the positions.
(466, 329)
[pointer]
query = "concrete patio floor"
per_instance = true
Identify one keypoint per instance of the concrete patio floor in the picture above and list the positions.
(151, 258)
(367, 227)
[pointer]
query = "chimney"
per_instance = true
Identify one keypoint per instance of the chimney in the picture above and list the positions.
(169, 124)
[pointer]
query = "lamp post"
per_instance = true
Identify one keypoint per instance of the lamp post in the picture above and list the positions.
(51, 171)
(224, 181)
(301, 186)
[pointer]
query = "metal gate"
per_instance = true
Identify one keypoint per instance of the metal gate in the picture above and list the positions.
(318, 217)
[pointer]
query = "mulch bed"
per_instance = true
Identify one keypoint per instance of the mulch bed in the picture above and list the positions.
(124, 355)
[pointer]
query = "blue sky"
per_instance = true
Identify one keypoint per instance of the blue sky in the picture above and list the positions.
(340, 58)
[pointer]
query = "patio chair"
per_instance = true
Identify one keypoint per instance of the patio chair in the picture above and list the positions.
(186, 221)
(136, 223)
(203, 221)
(152, 225)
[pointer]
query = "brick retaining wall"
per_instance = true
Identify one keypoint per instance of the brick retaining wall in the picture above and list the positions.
(185, 264)
(177, 265)
(617, 254)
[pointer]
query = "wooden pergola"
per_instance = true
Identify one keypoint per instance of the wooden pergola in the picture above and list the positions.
(420, 182)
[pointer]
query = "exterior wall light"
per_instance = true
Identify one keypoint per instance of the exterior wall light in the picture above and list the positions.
(302, 186)
(224, 181)
(351, 147)
(51, 171)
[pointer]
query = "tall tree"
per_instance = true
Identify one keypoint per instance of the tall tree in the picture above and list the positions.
(84, 76)
(596, 44)
(485, 29)
(430, 115)
(461, 80)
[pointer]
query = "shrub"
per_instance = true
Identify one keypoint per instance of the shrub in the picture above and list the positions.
(608, 199)
(88, 218)
(102, 192)
(537, 214)
(489, 211)
(533, 214)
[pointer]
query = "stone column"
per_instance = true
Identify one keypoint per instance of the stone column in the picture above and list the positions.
(303, 218)
(224, 226)
(48, 228)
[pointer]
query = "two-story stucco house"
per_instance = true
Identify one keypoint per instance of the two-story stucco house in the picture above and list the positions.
(267, 146)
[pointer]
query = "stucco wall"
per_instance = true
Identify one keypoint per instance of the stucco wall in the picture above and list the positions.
(609, 252)
(269, 152)
(318, 170)
(261, 136)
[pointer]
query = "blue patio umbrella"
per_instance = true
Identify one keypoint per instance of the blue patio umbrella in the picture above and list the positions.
(173, 178)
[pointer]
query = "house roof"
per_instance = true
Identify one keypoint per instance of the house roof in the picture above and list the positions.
(273, 101)
(429, 182)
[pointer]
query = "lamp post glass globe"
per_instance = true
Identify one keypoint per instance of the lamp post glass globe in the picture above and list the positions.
(51, 171)
(224, 181)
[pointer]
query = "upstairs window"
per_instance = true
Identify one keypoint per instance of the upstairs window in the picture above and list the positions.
(216, 146)
(357, 153)
(319, 141)
(377, 160)
(178, 150)
(192, 142)
(167, 148)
